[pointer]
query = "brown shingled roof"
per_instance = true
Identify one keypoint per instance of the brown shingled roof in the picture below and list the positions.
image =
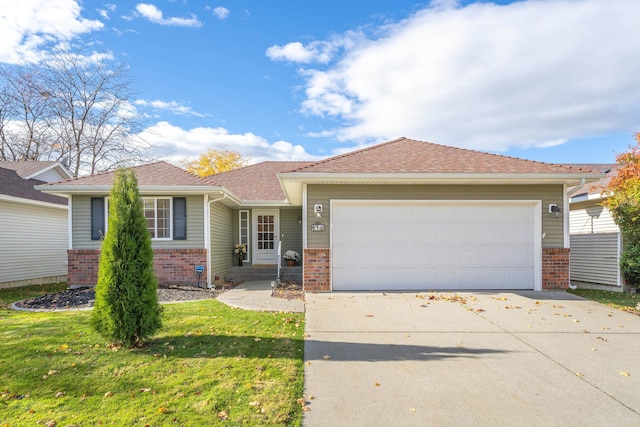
(410, 156)
(598, 186)
(153, 174)
(256, 182)
(11, 184)
(26, 168)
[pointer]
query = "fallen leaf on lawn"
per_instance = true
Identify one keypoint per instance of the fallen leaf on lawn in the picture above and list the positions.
(157, 355)
(624, 374)
(51, 423)
(52, 372)
(301, 401)
(306, 336)
(31, 411)
(60, 394)
(223, 415)
(108, 394)
(306, 409)
(162, 409)
(257, 339)
(326, 357)
(145, 390)
(254, 403)
(63, 347)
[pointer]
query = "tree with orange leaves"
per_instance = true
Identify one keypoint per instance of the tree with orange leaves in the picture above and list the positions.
(623, 200)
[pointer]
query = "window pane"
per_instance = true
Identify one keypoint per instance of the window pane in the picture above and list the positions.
(163, 218)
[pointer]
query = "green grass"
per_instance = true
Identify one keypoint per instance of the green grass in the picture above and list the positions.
(619, 300)
(209, 362)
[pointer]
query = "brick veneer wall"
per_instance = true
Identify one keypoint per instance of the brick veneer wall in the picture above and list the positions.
(555, 269)
(316, 270)
(172, 266)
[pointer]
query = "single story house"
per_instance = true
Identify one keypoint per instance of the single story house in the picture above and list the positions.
(596, 242)
(33, 230)
(401, 215)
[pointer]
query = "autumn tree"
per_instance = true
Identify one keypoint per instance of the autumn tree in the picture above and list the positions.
(126, 309)
(213, 161)
(74, 106)
(623, 200)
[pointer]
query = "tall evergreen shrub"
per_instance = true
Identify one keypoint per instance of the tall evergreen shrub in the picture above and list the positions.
(126, 309)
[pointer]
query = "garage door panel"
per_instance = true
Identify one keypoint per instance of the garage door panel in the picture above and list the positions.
(433, 245)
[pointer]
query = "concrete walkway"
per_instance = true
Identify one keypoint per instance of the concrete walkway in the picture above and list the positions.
(256, 295)
(481, 358)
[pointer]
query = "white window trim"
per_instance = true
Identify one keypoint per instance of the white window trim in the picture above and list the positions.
(155, 209)
(248, 236)
(155, 204)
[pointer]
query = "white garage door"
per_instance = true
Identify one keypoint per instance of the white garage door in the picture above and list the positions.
(411, 245)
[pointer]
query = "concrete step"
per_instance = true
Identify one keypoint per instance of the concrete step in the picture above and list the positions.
(248, 273)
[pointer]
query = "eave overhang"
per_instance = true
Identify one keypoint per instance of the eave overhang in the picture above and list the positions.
(292, 182)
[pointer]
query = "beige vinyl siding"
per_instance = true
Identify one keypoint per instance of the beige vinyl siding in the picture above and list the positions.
(552, 227)
(52, 175)
(81, 208)
(590, 217)
(290, 230)
(33, 242)
(594, 258)
(222, 239)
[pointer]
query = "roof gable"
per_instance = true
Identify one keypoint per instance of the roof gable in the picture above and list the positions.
(12, 185)
(418, 157)
(37, 169)
(257, 182)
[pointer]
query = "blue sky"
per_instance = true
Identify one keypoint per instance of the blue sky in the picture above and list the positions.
(554, 80)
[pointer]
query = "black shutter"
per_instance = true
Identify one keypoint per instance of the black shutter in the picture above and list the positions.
(97, 218)
(179, 218)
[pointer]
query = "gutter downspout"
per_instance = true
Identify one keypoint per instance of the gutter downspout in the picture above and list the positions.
(569, 194)
(208, 236)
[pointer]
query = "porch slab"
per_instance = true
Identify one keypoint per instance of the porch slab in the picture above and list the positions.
(256, 295)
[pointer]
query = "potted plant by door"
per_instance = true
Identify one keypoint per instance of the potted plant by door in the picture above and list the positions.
(240, 250)
(291, 257)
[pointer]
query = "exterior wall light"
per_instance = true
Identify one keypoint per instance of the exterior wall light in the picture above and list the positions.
(554, 210)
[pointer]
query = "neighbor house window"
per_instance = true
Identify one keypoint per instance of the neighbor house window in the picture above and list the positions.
(158, 215)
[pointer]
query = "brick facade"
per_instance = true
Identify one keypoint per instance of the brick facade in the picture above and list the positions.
(172, 266)
(555, 269)
(316, 270)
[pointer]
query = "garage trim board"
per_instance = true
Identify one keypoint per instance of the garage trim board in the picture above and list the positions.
(436, 244)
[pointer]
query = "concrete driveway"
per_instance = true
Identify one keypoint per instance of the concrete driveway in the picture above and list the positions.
(418, 359)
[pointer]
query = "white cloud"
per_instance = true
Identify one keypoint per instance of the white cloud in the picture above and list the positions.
(171, 106)
(174, 142)
(316, 51)
(28, 26)
(221, 12)
(484, 76)
(104, 12)
(155, 15)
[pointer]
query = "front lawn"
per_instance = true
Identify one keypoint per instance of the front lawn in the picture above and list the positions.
(209, 364)
(619, 300)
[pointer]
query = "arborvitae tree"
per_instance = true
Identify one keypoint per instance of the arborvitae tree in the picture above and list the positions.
(126, 309)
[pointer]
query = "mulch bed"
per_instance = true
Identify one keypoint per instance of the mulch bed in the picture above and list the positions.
(84, 297)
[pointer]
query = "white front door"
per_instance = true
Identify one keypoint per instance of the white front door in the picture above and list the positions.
(266, 232)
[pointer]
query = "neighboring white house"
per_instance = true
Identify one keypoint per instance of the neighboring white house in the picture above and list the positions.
(596, 242)
(34, 226)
